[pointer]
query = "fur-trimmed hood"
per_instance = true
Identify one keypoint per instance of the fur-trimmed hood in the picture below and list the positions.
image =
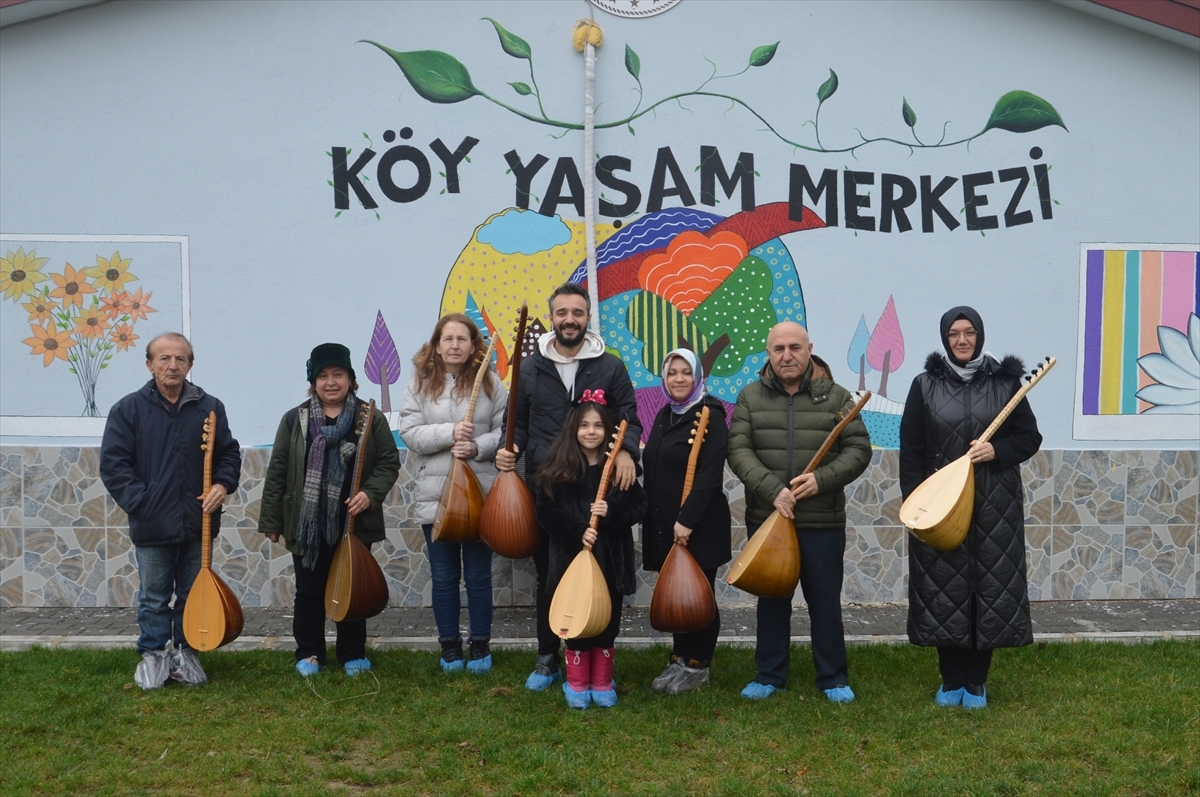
(1011, 366)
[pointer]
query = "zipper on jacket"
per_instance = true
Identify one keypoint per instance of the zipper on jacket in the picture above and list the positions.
(791, 436)
(972, 605)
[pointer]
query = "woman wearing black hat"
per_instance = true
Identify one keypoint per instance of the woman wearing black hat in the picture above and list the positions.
(306, 496)
(973, 599)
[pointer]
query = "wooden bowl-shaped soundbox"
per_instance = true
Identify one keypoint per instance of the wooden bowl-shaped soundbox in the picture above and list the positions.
(212, 616)
(356, 588)
(939, 511)
(508, 524)
(769, 564)
(683, 602)
(581, 606)
(460, 507)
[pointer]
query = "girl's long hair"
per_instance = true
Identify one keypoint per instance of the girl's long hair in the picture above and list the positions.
(430, 370)
(566, 462)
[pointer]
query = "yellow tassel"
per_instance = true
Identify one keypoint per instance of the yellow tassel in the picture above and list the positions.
(586, 30)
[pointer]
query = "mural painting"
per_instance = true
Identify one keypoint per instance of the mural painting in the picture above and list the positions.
(1139, 342)
(680, 275)
(75, 312)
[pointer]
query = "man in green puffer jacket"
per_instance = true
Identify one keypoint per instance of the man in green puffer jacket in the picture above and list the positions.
(779, 423)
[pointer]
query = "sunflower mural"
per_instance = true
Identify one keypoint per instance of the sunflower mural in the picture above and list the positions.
(79, 316)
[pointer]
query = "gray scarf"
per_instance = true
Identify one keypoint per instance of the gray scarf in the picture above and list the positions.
(324, 476)
(967, 372)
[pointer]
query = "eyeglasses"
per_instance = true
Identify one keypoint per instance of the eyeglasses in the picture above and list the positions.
(969, 334)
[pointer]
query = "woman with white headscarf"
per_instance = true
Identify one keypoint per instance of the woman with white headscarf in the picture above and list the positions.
(702, 523)
(971, 600)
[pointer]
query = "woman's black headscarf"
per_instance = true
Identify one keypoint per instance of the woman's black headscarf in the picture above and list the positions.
(954, 314)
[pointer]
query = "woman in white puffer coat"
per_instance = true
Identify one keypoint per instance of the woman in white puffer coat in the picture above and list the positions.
(433, 429)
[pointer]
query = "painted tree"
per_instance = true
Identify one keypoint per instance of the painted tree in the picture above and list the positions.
(382, 365)
(885, 352)
(856, 357)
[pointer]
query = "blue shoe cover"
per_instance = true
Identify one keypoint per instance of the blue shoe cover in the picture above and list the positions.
(353, 668)
(970, 701)
(451, 666)
(607, 698)
(539, 681)
(479, 666)
(578, 699)
(757, 691)
(952, 698)
(309, 666)
(840, 694)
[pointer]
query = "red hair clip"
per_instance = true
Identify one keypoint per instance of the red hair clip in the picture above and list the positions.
(593, 396)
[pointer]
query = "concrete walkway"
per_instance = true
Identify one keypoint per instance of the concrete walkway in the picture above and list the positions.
(407, 627)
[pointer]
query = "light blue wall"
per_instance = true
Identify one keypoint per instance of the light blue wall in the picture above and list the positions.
(212, 121)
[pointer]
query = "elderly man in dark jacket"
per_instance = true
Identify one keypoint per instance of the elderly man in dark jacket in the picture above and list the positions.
(152, 465)
(779, 423)
(568, 361)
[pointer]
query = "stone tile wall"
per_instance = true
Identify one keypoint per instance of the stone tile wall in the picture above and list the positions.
(1100, 525)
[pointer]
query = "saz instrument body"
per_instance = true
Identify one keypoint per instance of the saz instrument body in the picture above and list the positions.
(212, 616)
(939, 511)
(769, 564)
(683, 602)
(356, 587)
(508, 524)
(460, 507)
(581, 606)
(461, 503)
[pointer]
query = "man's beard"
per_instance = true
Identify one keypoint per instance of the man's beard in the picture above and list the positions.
(569, 343)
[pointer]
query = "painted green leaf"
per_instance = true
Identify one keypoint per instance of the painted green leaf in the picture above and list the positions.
(521, 88)
(632, 63)
(910, 116)
(828, 87)
(436, 76)
(761, 56)
(1022, 112)
(659, 324)
(513, 45)
(741, 308)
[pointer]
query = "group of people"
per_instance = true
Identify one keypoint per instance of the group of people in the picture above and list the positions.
(573, 394)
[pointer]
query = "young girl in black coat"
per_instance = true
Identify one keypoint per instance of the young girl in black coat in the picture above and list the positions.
(567, 482)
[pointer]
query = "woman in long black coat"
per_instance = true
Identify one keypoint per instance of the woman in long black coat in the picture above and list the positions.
(702, 523)
(975, 598)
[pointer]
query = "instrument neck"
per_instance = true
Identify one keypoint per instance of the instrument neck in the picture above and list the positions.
(205, 540)
(1016, 400)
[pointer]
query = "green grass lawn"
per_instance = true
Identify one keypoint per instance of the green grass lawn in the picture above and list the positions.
(1087, 719)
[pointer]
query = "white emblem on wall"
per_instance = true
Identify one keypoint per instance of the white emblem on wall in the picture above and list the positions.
(634, 9)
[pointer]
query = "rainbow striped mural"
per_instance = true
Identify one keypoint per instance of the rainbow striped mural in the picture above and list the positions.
(1129, 293)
